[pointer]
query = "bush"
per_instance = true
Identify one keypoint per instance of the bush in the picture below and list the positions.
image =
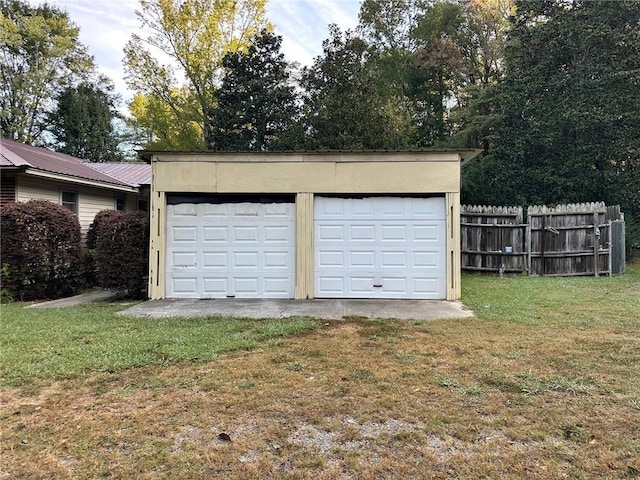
(122, 251)
(41, 250)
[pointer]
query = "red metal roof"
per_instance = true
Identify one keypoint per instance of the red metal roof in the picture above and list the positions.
(16, 154)
(134, 174)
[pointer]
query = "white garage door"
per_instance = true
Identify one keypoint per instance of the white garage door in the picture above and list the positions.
(380, 247)
(243, 250)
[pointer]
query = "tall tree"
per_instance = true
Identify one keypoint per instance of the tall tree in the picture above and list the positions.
(568, 130)
(342, 108)
(256, 102)
(195, 35)
(40, 55)
(83, 122)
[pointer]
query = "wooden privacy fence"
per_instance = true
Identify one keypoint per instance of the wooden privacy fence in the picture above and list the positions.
(567, 240)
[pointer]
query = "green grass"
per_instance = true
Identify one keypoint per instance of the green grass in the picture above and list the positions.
(66, 342)
(579, 301)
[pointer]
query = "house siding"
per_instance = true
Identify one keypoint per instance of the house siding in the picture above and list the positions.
(7, 190)
(90, 200)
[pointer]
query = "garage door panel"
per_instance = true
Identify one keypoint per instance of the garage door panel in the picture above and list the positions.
(426, 285)
(394, 285)
(360, 284)
(242, 250)
(427, 259)
(184, 233)
(276, 260)
(329, 284)
(428, 232)
(214, 287)
(218, 260)
(184, 286)
(393, 233)
(185, 210)
(246, 234)
(390, 259)
(245, 260)
(181, 260)
(362, 258)
(277, 234)
(215, 234)
(330, 258)
(393, 248)
(362, 233)
(330, 231)
(277, 286)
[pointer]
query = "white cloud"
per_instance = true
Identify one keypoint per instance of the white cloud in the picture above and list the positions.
(106, 26)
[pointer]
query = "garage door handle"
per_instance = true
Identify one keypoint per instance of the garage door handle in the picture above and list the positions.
(377, 286)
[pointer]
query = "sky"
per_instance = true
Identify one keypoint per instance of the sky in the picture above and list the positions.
(107, 25)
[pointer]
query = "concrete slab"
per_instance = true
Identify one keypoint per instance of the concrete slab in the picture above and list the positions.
(75, 300)
(319, 308)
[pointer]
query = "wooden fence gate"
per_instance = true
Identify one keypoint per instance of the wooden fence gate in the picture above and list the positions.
(567, 240)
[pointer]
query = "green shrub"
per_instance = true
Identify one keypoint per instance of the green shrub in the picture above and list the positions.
(41, 250)
(122, 252)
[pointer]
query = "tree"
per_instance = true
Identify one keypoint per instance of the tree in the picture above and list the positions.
(40, 55)
(568, 129)
(83, 123)
(256, 102)
(342, 108)
(195, 35)
(158, 126)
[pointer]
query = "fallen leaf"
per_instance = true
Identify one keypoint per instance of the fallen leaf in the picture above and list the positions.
(224, 437)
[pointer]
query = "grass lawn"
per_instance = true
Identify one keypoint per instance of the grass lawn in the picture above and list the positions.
(543, 383)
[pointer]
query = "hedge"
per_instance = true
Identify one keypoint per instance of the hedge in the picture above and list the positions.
(121, 251)
(41, 250)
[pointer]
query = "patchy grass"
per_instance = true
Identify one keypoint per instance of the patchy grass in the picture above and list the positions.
(543, 383)
(52, 343)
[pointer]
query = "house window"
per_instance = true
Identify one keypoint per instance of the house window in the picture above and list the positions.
(121, 204)
(70, 200)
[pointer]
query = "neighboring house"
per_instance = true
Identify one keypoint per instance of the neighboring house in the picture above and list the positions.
(306, 224)
(28, 173)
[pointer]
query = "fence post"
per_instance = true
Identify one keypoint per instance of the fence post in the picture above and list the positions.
(544, 235)
(528, 243)
(610, 245)
(596, 245)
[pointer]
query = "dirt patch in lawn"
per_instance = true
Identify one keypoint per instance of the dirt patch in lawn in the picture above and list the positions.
(361, 399)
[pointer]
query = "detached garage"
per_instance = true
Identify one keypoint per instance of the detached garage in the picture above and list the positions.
(306, 225)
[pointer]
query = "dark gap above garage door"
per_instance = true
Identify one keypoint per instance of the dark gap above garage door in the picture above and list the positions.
(361, 196)
(178, 198)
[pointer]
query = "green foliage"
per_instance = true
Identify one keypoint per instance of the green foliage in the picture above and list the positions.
(83, 123)
(5, 294)
(41, 250)
(341, 108)
(122, 251)
(40, 55)
(256, 102)
(568, 130)
(196, 35)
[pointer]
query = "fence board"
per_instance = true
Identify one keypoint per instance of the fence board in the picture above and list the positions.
(569, 239)
(572, 239)
(617, 242)
(493, 238)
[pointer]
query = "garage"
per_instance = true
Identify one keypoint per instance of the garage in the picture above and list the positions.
(304, 225)
(380, 247)
(219, 248)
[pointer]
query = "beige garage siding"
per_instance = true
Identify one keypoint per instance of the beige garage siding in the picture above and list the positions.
(306, 174)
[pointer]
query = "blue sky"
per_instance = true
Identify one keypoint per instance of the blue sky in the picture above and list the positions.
(106, 25)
